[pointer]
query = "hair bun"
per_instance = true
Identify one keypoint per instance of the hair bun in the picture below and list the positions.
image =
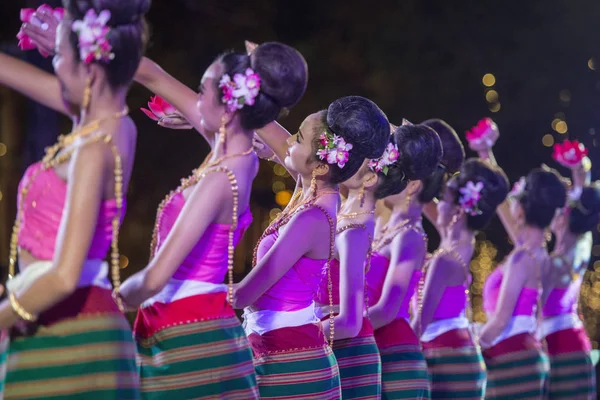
(454, 152)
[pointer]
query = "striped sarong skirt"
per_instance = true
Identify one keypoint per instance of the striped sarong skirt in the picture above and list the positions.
(295, 363)
(403, 367)
(456, 366)
(194, 348)
(517, 368)
(572, 374)
(83, 349)
(360, 365)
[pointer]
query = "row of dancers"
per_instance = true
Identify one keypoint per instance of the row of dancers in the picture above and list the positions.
(342, 301)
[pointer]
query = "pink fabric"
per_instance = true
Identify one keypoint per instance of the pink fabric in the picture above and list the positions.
(42, 212)
(297, 288)
(322, 296)
(207, 262)
(526, 303)
(376, 278)
(562, 300)
(452, 304)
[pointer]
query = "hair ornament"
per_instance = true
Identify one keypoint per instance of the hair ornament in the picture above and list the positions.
(469, 198)
(390, 155)
(240, 91)
(333, 148)
(92, 33)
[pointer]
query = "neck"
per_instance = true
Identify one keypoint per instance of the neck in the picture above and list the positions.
(104, 106)
(411, 211)
(236, 141)
(565, 242)
(352, 204)
(321, 187)
(531, 237)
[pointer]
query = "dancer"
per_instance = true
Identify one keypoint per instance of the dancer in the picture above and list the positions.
(292, 357)
(74, 341)
(396, 261)
(184, 307)
(572, 374)
(515, 362)
(455, 362)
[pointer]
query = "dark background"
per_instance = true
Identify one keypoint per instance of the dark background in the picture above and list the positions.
(417, 59)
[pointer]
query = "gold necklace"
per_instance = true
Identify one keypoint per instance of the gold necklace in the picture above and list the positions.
(354, 215)
(390, 234)
(52, 159)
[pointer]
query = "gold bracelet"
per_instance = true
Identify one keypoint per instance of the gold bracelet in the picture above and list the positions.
(20, 311)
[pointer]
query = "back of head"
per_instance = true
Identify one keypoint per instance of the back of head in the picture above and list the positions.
(584, 214)
(420, 151)
(128, 34)
(452, 159)
(494, 191)
(544, 193)
(360, 123)
(283, 76)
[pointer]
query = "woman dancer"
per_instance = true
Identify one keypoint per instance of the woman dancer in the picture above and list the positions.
(292, 357)
(74, 341)
(191, 344)
(455, 362)
(572, 374)
(396, 262)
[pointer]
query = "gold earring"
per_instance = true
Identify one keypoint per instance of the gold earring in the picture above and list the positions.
(313, 183)
(222, 132)
(361, 195)
(407, 201)
(87, 93)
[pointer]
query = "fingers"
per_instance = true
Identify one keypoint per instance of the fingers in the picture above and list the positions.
(48, 21)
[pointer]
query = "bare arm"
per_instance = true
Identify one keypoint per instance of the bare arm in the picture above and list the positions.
(407, 254)
(353, 247)
(291, 245)
(32, 82)
(275, 136)
(85, 193)
(184, 99)
(199, 212)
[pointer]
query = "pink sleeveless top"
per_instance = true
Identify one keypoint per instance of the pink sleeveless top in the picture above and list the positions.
(322, 296)
(207, 262)
(452, 304)
(297, 288)
(526, 303)
(42, 211)
(562, 301)
(376, 278)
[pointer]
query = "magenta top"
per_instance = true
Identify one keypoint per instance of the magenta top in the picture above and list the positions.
(376, 278)
(562, 301)
(207, 262)
(322, 296)
(452, 304)
(297, 288)
(526, 303)
(42, 211)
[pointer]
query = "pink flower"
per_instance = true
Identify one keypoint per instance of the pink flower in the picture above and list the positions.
(390, 155)
(569, 153)
(158, 108)
(240, 91)
(482, 132)
(92, 32)
(470, 196)
(27, 16)
(518, 188)
(334, 149)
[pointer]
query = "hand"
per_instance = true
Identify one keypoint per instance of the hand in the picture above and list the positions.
(250, 46)
(262, 150)
(42, 30)
(174, 121)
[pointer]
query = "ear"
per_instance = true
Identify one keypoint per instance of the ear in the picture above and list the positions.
(370, 179)
(414, 187)
(321, 169)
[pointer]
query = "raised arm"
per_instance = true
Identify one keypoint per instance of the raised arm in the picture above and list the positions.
(184, 99)
(86, 182)
(37, 84)
(407, 254)
(276, 138)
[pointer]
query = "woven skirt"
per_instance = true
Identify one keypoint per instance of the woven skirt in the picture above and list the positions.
(572, 373)
(404, 369)
(194, 348)
(517, 368)
(82, 349)
(295, 363)
(456, 366)
(360, 364)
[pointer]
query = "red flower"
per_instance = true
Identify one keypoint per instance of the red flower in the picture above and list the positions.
(158, 108)
(569, 153)
(481, 131)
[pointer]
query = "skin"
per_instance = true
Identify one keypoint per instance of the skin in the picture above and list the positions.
(88, 174)
(293, 243)
(210, 200)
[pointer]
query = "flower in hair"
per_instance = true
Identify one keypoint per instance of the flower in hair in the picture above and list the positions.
(334, 149)
(469, 198)
(482, 132)
(28, 16)
(92, 32)
(390, 155)
(569, 153)
(240, 91)
(518, 188)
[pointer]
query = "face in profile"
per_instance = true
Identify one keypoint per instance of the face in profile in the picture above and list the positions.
(301, 156)
(70, 71)
(210, 106)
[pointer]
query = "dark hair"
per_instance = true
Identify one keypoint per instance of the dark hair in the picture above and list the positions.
(283, 78)
(128, 34)
(360, 123)
(495, 189)
(586, 215)
(544, 193)
(420, 151)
